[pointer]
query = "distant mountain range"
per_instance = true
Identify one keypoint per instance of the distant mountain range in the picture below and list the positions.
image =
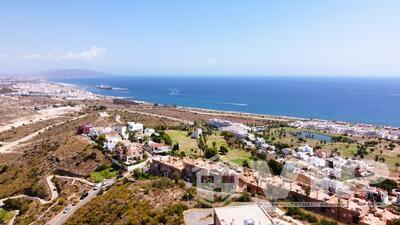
(73, 73)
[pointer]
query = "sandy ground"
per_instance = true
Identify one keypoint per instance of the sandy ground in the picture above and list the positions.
(8, 147)
(44, 114)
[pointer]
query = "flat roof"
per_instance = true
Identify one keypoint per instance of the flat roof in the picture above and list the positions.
(238, 214)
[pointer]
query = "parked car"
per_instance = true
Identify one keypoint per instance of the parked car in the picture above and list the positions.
(97, 186)
(84, 195)
(120, 176)
(66, 210)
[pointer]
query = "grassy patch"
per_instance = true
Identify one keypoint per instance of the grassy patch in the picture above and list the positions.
(347, 150)
(5, 216)
(236, 156)
(106, 173)
(185, 143)
(218, 139)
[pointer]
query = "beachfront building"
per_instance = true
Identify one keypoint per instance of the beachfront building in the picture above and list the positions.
(361, 130)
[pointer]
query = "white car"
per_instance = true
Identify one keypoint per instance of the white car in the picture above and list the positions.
(97, 186)
(66, 210)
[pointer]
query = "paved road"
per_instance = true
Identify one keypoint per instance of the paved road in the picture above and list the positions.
(54, 193)
(63, 217)
(53, 189)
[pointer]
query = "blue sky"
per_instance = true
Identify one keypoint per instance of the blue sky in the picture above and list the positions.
(207, 37)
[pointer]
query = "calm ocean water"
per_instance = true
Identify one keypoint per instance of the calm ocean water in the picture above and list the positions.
(361, 100)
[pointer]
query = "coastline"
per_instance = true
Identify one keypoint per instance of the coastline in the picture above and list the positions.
(232, 113)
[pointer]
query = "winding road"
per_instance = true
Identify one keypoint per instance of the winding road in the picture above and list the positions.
(53, 190)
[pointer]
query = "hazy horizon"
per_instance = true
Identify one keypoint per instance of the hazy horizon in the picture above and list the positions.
(207, 38)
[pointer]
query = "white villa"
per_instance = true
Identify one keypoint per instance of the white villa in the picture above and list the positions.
(132, 126)
(112, 138)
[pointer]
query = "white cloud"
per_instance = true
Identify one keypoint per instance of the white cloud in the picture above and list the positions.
(93, 52)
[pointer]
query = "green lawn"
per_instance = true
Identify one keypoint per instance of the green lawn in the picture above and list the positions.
(186, 143)
(99, 176)
(5, 216)
(218, 139)
(236, 156)
(347, 150)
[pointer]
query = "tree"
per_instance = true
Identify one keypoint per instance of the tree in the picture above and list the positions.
(214, 144)
(223, 150)
(275, 166)
(175, 147)
(101, 139)
(210, 152)
(167, 139)
(386, 184)
(131, 136)
(245, 164)
(182, 154)
(245, 197)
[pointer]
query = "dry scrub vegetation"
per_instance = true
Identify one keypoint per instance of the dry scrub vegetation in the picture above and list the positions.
(57, 150)
(156, 201)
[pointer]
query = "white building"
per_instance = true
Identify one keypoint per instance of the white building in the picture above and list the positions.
(112, 138)
(316, 161)
(149, 131)
(306, 149)
(197, 133)
(330, 185)
(376, 195)
(122, 130)
(132, 126)
(259, 141)
(219, 123)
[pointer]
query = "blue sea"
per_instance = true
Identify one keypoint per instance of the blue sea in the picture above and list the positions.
(361, 100)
